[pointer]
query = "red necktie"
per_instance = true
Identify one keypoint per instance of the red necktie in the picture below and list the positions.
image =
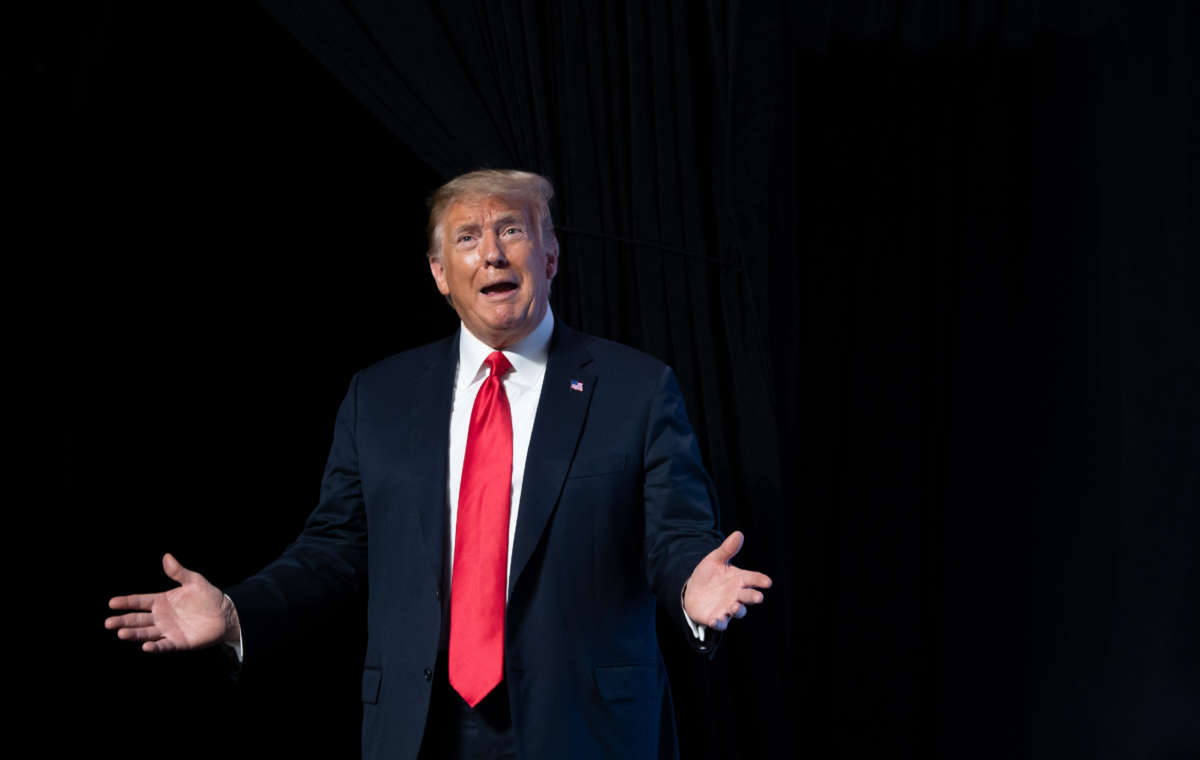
(477, 592)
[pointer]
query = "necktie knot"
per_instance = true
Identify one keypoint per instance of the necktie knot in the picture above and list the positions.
(498, 364)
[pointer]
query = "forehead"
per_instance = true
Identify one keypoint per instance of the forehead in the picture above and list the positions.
(483, 211)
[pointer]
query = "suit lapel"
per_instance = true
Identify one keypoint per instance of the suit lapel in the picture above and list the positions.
(429, 447)
(562, 409)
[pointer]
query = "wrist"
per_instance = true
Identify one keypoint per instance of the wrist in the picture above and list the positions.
(686, 600)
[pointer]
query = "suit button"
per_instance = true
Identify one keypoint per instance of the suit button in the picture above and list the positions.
(438, 595)
(428, 674)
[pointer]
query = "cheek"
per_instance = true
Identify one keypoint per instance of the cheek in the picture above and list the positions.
(464, 269)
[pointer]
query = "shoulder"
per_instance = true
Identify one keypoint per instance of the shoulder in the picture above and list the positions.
(406, 366)
(623, 375)
(608, 355)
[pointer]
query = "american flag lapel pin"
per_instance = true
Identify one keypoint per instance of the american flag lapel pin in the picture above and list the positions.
(577, 386)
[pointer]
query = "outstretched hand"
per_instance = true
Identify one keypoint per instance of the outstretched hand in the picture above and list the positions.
(193, 616)
(717, 591)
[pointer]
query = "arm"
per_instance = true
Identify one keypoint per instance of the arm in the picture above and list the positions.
(682, 552)
(327, 562)
(680, 504)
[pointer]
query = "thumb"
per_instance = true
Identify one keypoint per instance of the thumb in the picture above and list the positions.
(729, 547)
(174, 570)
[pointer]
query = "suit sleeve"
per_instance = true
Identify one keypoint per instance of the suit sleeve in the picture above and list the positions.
(327, 563)
(680, 504)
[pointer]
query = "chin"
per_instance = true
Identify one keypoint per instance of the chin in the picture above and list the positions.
(508, 316)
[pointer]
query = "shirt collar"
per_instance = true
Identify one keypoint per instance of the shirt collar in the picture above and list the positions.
(527, 356)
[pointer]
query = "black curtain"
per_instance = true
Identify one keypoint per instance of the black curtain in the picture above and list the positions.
(927, 272)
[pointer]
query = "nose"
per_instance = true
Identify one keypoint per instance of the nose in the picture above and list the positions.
(493, 251)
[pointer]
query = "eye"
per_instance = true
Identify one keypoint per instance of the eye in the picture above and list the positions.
(511, 230)
(464, 238)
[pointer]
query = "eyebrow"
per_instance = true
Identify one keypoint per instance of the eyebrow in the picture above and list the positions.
(513, 218)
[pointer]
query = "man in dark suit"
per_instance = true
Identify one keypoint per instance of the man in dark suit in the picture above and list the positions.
(511, 558)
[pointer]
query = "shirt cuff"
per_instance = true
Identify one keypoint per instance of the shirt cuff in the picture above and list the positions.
(697, 630)
(236, 646)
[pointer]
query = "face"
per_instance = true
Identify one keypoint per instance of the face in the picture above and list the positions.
(493, 269)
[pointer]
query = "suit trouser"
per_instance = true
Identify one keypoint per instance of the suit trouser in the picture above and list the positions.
(456, 731)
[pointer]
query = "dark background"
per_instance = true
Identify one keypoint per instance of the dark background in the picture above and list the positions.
(927, 272)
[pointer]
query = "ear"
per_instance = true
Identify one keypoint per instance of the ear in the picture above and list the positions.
(551, 258)
(439, 275)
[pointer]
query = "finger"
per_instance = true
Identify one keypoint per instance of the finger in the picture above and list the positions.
(161, 645)
(132, 620)
(755, 580)
(148, 633)
(176, 571)
(728, 548)
(132, 602)
(739, 611)
(750, 596)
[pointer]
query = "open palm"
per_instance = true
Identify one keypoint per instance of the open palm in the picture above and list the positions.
(717, 591)
(193, 616)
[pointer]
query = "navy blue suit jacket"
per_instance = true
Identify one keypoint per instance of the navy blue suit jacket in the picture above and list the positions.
(616, 511)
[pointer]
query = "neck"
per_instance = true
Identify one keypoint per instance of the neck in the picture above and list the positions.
(530, 342)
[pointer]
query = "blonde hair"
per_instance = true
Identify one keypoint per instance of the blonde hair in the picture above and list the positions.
(527, 188)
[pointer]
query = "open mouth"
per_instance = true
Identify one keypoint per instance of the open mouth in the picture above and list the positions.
(498, 288)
